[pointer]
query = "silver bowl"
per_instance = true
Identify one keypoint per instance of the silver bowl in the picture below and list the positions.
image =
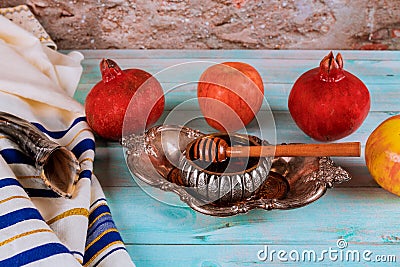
(292, 182)
(229, 181)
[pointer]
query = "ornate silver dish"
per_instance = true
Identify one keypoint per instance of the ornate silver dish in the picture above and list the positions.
(292, 182)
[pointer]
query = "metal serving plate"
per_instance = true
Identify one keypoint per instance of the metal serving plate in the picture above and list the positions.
(293, 182)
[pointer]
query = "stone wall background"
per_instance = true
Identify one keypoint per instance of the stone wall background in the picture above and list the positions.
(219, 24)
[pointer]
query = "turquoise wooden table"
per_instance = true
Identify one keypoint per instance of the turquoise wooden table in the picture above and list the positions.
(356, 218)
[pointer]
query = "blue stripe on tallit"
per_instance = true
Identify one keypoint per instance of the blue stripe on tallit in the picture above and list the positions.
(100, 244)
(14, 156)
(83, 146)
(8, 182)
(98, 211)
(104, 223)
(106, 255)
(17, 216)
(35, 254)
(58, 134)
(85, 174)
(36, 192)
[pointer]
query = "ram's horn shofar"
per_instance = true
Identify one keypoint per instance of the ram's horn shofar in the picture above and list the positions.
(58, 166)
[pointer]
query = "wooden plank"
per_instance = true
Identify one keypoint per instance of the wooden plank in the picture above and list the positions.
(247, 255)
(383, 97)
(242, 54)
(271, 70)
(110, 167)
(361, 216)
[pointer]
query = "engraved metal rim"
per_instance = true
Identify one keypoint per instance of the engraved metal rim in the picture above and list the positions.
(227, 187)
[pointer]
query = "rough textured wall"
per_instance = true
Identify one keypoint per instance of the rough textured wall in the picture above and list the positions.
(217, 24)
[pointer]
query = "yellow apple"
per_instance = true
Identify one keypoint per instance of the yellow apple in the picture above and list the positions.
(382, 154)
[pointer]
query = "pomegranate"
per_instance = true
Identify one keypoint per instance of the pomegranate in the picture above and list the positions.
(108, 101)
(329, 103)
(230, 94)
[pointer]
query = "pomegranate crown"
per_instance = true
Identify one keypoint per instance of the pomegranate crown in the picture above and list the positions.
(109, 70)
(331, 69)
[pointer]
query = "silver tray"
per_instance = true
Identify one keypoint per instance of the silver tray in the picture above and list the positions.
(293, 182)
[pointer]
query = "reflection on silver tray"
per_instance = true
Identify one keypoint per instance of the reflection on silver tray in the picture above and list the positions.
(292, 182)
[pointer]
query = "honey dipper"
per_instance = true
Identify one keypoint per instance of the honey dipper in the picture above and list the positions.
(215, 149)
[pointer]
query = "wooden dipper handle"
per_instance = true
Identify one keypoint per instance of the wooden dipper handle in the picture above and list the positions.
(350, 149)
(215, 149)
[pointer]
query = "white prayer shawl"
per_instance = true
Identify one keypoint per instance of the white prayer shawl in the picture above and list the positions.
(37, 227)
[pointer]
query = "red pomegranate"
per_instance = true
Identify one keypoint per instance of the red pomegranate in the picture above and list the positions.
(329, 103)
(133, 93)
(230, 94)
